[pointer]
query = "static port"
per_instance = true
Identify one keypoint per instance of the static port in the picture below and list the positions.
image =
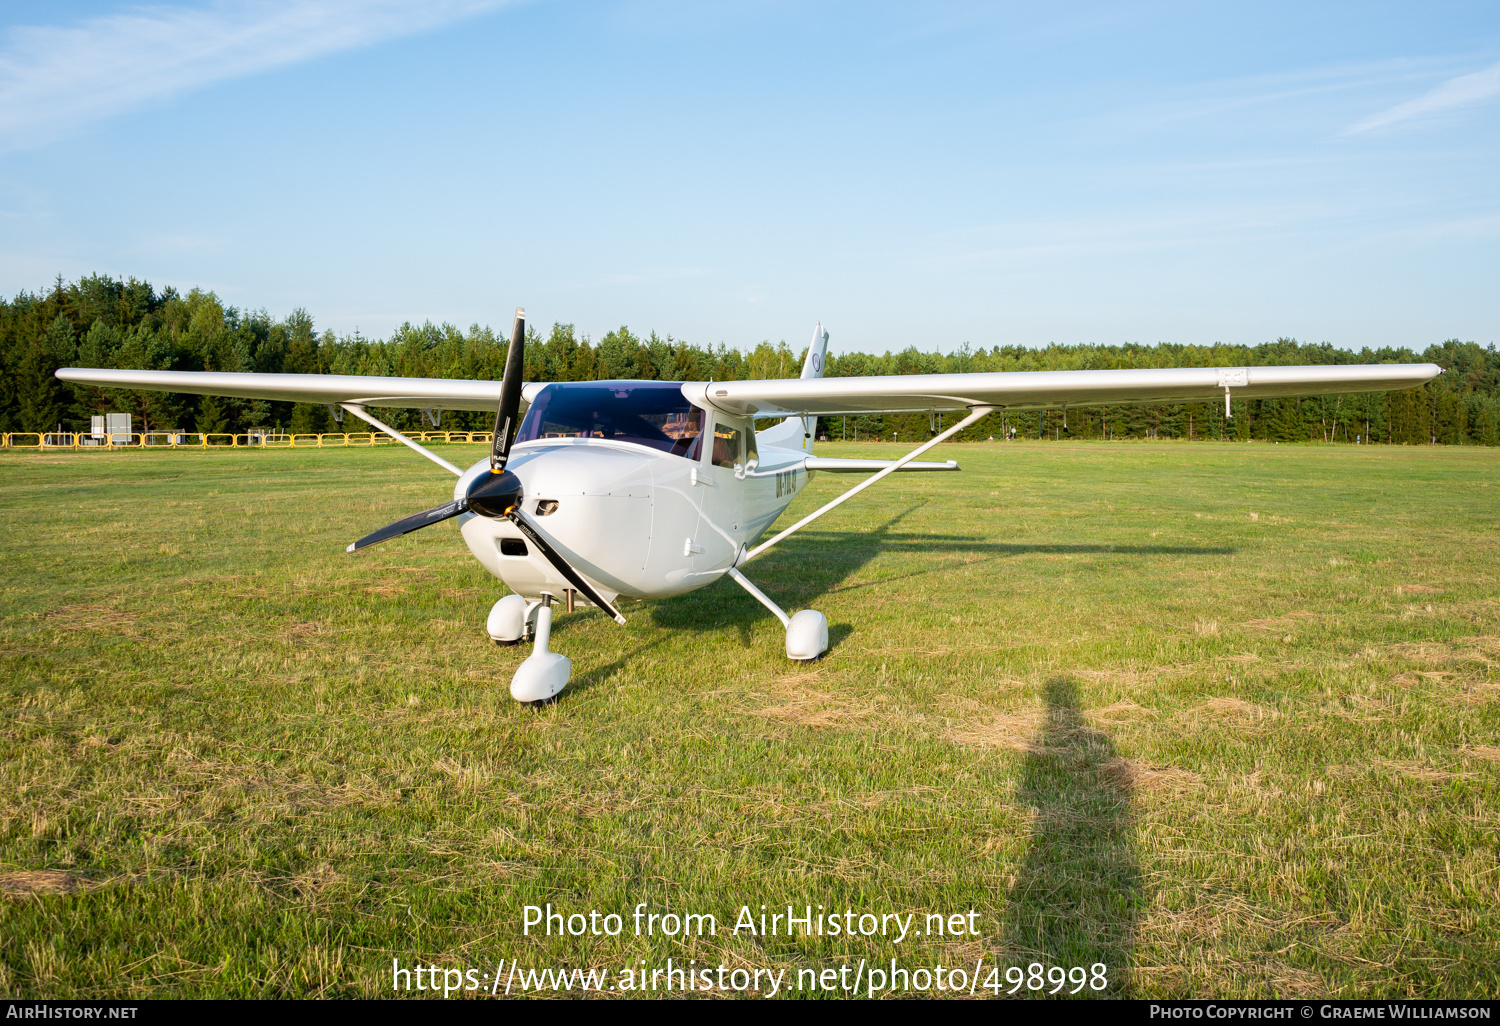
(512, 547)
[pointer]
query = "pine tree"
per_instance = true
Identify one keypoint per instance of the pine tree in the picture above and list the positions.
(1447, 427)
(211, 416)
(38, 397)
(1487, 425)
(307, 419)
(60, 341)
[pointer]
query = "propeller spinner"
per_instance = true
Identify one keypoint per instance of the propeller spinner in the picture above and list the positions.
(498, 494)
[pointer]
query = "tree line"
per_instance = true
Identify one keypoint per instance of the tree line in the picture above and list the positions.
(99, 321)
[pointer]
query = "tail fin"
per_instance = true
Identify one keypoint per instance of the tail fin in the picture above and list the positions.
(797, 432)
(817, 353)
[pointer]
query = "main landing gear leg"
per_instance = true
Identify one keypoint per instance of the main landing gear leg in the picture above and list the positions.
(806, 629)
(544, 673)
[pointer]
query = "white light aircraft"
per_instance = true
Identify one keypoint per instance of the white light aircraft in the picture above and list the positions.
(649, 489)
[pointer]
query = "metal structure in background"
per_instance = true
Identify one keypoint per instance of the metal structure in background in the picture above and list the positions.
(117, 428)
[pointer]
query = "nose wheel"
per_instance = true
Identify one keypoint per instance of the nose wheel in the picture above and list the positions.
(544, 673)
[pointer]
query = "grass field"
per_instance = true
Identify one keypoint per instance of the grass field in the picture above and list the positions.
(1223, 718)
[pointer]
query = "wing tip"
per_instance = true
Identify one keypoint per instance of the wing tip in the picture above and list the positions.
(352, 547)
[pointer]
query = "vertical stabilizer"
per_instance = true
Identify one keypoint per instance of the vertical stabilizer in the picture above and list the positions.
(797, 432)
(817, 353)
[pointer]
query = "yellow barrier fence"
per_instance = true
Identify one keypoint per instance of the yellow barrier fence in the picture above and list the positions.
(199, 440)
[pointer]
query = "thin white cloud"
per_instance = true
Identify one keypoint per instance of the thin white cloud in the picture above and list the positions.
(1456, 92)
(1215, 98)
(55, 78)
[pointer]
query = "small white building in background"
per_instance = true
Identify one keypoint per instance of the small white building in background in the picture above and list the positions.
(115, 426)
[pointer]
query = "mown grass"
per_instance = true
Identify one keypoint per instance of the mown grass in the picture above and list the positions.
(1225, 718)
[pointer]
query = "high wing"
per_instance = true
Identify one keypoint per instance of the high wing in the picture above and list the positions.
(779, 397)
(357, 389)
(1040, 390)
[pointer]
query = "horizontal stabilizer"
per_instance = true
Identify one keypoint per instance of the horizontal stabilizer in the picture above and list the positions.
(870, 466)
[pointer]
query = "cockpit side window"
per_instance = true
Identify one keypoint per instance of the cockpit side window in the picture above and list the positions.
(727, 443)
(653, 414)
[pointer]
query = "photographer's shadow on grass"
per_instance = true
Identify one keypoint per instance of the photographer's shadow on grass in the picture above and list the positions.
(1077, 899)
(812, 564)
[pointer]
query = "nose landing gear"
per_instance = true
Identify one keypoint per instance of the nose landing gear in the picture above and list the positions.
(544, 673)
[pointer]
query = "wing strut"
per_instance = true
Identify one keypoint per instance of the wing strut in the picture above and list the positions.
(978, 413)
(359, 411)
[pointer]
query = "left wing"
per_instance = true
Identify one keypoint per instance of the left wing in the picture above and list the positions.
(1040, 390)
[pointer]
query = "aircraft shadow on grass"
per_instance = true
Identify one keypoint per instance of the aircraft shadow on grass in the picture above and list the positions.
(815, 563)
(598, 675)
(1077, 898)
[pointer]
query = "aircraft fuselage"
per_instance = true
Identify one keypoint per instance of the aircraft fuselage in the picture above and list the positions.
(634, 520)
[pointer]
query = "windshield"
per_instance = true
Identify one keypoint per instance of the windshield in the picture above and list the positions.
(653, 414)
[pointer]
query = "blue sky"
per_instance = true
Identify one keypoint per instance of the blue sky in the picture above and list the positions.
(922, 174)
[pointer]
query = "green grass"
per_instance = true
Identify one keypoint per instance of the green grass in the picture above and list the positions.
(1225, 718)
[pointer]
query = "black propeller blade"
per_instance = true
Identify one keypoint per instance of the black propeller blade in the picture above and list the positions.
(406, 525)
(498, 493)
(490, 494)
(510, 394)
(525, 526)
